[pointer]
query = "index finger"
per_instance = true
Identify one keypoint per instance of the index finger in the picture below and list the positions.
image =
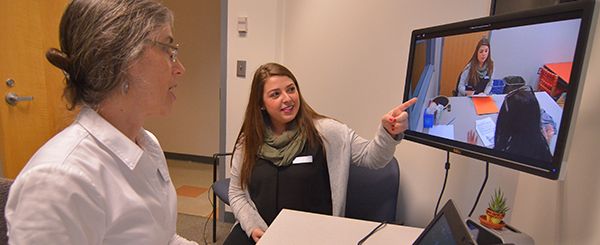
(402, 107)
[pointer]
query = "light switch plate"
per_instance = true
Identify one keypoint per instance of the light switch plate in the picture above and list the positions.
(241, 68)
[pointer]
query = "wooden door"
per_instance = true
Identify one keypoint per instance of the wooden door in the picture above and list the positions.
(29, 28)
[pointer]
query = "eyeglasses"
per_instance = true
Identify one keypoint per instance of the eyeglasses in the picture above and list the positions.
(173, 50)
(511, 93)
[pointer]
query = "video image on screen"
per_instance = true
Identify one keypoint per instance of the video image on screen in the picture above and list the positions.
(502, 90)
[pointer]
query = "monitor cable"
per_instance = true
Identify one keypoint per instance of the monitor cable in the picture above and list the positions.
(447, 167)
(379, 227)
(487, 172)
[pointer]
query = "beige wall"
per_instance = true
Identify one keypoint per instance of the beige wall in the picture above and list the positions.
(580, 195)
(261, 44)
(193, 126)
(350, 58)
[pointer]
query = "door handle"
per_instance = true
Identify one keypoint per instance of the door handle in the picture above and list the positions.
(12, 98)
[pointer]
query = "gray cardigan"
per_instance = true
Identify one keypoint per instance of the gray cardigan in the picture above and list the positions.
(342, 146)
(464, 77)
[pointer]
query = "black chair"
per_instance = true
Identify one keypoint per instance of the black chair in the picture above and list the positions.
(455, 91)
(220, 189)
(4, 189)
(512, 82)
(373, 193)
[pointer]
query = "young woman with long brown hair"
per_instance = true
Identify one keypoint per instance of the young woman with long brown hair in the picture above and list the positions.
(289, 156)
(478, 71)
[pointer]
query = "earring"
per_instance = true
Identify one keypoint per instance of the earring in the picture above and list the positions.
(262, 108)
(125, 87)
(66, 75)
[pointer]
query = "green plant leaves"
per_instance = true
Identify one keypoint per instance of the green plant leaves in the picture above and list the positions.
(498, 202)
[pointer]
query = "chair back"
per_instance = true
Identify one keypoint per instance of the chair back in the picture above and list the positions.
(512, 82)
(221, 189)
(373, 193)
(4, 188)
(455, 91)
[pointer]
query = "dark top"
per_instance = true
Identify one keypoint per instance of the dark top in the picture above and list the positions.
(302, 186)
(536, 148)
(480, 86)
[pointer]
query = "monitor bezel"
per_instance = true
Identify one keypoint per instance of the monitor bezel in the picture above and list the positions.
(584, 11)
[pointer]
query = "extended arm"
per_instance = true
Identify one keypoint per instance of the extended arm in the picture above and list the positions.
(379, 151)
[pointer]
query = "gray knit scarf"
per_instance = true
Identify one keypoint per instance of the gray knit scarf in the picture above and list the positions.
(282, 149)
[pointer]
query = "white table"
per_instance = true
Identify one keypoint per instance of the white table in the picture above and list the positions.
(296, 227)
(463, 115)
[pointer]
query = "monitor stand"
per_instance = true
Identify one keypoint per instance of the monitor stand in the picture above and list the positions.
(508, 235)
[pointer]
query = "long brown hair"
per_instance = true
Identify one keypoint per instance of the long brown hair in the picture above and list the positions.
(473, 76)
(251, 135)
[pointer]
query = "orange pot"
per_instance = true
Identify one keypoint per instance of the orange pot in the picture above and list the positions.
(493, 217)
(483, 220)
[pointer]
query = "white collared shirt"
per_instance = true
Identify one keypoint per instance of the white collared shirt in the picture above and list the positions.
(90, 184)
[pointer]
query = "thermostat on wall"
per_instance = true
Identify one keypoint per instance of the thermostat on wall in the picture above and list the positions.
(242, 24)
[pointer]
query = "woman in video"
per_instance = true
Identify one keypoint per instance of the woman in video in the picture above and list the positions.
(289, 156)
(518, 126)
(476, 76)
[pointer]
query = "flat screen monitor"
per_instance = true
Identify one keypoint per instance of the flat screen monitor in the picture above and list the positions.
(502, 88)
(507, 6)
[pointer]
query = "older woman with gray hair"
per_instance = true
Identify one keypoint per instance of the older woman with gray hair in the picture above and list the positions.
(104, 179)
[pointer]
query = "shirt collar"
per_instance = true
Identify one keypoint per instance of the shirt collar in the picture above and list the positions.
(110, 137)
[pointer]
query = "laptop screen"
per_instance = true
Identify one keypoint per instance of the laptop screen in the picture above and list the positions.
(440, 233)
(447, 227)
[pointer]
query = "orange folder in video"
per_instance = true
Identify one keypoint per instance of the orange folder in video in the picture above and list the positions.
(484, 105)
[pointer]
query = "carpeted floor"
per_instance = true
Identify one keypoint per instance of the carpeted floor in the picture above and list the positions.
(192, 228)
(192, 181)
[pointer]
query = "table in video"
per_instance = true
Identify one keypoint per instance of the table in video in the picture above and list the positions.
(463, 116)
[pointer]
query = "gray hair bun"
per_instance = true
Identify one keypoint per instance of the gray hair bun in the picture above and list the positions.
(58, 58)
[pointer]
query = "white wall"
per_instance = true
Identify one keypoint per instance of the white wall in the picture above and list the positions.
(580, 200)
(193, 125)
(261, 44)
(531, 48)
(350, 58)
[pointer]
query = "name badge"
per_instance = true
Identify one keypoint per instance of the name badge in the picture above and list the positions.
(302, 159)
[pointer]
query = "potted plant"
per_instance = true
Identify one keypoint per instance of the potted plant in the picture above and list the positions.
(495, 212)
